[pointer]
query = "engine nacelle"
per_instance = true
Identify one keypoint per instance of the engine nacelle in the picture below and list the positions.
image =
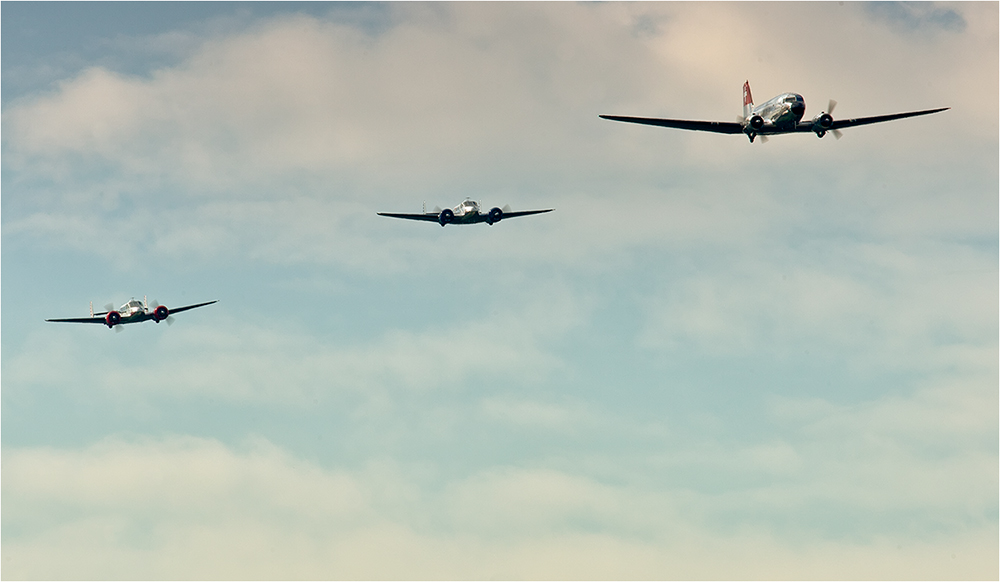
(495, 215)
(756, 122)
(823, 122)
(112, 319)
(446, 216)
(160, 313)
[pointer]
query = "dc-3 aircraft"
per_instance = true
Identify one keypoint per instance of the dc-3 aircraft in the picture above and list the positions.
(131, 312)
(783, 114)
(465, 213)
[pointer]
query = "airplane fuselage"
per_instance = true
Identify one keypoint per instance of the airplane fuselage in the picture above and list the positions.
(467, 213)
(782, 113)
(131, 310)
(135, 311)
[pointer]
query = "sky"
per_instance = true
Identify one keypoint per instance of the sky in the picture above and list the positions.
(714, 359)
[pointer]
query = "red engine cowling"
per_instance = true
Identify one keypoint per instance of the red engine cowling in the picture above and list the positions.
(112, 319)
(160, 313)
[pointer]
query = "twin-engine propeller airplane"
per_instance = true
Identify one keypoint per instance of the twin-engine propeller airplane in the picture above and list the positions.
(783, 114)
(131, 312)
(465, 213)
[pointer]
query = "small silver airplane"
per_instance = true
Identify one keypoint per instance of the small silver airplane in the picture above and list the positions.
(465, 213)
(783, 114)
(132, 312)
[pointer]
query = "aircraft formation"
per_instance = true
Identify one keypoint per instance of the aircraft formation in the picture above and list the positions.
(779, 115)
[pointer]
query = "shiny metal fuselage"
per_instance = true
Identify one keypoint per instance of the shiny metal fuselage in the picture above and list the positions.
(132, 310)
(781, 114)
(467, 213)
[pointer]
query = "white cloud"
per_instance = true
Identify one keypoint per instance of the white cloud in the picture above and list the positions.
(181, 507)
(280, 142)
(276, 145)
(531, 413)
(873, 305)
(441, 92)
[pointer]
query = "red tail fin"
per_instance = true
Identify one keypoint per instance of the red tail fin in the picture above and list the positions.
(747, 101)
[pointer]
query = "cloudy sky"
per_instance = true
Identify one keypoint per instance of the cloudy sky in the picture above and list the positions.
(714, 359)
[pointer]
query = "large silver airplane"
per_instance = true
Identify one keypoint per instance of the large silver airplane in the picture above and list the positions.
(465, 213)
(133, 311)
(783, 114)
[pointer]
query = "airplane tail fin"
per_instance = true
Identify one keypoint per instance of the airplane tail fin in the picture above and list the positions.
(747, 100)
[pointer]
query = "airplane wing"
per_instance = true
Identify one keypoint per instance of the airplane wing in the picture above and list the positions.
(842, 123)
(713, 126)
(174, 310)
(429, 217)
(507, 215)
(79, 320)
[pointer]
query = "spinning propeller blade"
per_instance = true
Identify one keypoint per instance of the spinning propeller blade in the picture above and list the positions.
(829, 109)
(741, 120)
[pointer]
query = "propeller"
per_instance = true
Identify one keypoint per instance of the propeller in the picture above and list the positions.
(119, 328)
(829, 111)
(109, 307)
(742, 120)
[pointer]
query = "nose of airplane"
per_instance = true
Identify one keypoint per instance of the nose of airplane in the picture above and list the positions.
(798, 109)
